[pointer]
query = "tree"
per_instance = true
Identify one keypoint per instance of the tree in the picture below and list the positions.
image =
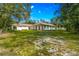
(6, 13)
(30, 22)
(23, 11)
(70, 17)
(57, 21)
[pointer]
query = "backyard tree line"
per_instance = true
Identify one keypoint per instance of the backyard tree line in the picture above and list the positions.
(69, 16)
(8, 11)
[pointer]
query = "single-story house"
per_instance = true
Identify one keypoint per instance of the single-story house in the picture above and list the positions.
(22, 26)
(38, 26)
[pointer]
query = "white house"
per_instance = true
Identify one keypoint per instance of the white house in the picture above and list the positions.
(38, 26)
(22, 26)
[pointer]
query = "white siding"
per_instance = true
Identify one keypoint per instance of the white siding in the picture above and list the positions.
(49, 28)
(22, 28)
(46, 28)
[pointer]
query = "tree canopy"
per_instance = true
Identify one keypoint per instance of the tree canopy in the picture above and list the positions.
(70, 16)
(9, 10)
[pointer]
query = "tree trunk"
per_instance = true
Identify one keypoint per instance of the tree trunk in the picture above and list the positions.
(1, 31)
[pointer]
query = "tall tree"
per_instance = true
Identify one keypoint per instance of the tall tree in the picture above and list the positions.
(6, 13)
(23, 11)
(70, 17)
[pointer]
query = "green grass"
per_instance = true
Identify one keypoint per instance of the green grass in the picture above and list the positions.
(21, 43)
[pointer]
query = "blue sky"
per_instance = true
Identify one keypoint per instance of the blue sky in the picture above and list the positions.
(44, 11)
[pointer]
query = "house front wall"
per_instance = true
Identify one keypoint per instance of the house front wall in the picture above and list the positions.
(49, 28)
(22, 28)
(44, 27)
(39, 27)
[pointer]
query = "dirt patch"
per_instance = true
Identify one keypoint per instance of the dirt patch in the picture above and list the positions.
(5, 35)
(53, 46)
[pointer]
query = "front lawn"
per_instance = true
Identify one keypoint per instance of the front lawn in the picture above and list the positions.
(30, 43)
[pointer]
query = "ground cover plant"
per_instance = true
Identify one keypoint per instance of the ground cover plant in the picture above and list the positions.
(30, 43)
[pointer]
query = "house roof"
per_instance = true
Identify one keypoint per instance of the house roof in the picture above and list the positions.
(24, 25)
(45, 24)
(29, 25)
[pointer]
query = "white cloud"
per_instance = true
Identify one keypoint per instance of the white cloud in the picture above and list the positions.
(39, 11)
(32, 6)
